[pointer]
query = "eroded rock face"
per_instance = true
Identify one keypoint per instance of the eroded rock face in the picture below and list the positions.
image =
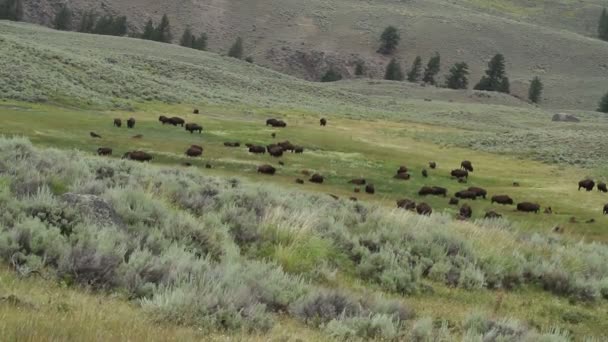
(93, 209)
(563, 117)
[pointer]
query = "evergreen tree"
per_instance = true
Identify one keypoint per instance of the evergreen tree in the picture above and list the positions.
(359, 69)
(87, 22)
(187, 39)
(603, 26)
(11, 10)
(536, 90)
(200, 43)
(103, 25)
(63, 19)
(236, 51)
(120, 26)
(432, 69)
(416, 71)
(389, 40)
(457, 79)
(393, 71)
(496, 77)
(603, 104)
(331, 76)
(148, 30)
(163, 31)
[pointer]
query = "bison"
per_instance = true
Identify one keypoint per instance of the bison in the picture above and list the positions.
(425, 190)
(587, 184)
(601, 186)
(300, 181)
(273, 135)
(370, 189)
(232, 144)
(94, 135)
(459, 173)
(138, 156)
(298, 149)
(117, 123)
(275, 123)
(130, 123)
(257, 149)
(323, 122)
(492, 215)
(439, 191)
(402, 176)
(194, 151)
(502, 199)
(192, 127)
(275, 151)
(466, 165)
(466, 194)
(406, 204)
(479, 191)
(104, 151)
(287, 146)
(316, 178)
(453, 201)
(357, 181)
(424, 173)
(424, 209)
(163, 119)
(402, 169)
(528, 207)
(266, 169)
(195, 111)
(432, 165)
(176, 121)
(606, 209)
(465, 212)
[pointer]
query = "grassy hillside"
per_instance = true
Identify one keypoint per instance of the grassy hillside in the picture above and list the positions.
(551, 39)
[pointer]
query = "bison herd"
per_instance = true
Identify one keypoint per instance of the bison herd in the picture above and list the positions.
(403, 173)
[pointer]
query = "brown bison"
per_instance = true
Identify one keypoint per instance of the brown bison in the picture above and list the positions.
(587, 184)
(208, 166)
(424, 173)
(130, 123)
(163, 119)
(606, 209)
(300, 181)
(104, 151)
(195, 111)
(357, 190)
(406, 204)
(298, 149)
(357, 181)
(192, 127)
(601, 186)
(402, 169)
(117, 122)
(466, 165)
(502, 199)
(194, 151)
(402, 176)
(454, 201)
(275, 151)
(354, 199)
(528, 207)
(479, 191)
(266, 169)
(424, 209)
(439, 191)
(425, 190)
(287, 146)
(176, 121)
(232, 144)
(465, 212)
(466, 194)
(94, 135)
(140, 156)
(492, 215)
(323, 122)
(275, 123)
(370, 189)
(459, 173)
(316, 178)
(257, 149)
(432, 165)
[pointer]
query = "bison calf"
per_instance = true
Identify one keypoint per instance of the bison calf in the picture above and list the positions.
(432, 165)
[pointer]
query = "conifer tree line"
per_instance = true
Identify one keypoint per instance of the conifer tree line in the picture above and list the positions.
(11, 10)
(602, 29)
(108, 24)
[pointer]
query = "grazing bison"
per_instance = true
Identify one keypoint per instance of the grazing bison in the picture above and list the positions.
(406, 204)
(425, 190)
(424, 173)
(287, 146)
(466, 194)
(130, 123)
(316, 178)
(197, 147)
(402, 176)
(138, 156)
(601, 186)
(194, 151)
(275, 151)
(232, 144)
(432, 165)
(459, 173)
(479, 191)
(117, 122)
(587, 184)
(502, 199)
(370, 189)
(104, 151)
(300, 181)
(357, 181)
(402, 169)
(281, 123)
(257, 149)
(163, 119)
(266, 169)
(323, 122)
(424, 209)
(466, 165)
(528, 207)
(298, 149)
(195, 111)
(192, 127)
(176, 121)
(465, 212)
(275, 123)
(94, 135)
(454, 201)
(208, 166)
(439, 191)
(606, 209)
(492, 215)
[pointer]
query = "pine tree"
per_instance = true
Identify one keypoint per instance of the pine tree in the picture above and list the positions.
(187, 39)
(393, 71)
(457, 79)
(120, 26)
(163, 31)
(11, 10)
(148, 30)
(87, 22)
(416, 71)
(200, 43)
(63, 19)
(432, 69)
(496, 77)
(389, 40)
(603, 104)
(536, 90)
(236, 51)
(331, 76)
(603, 26)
